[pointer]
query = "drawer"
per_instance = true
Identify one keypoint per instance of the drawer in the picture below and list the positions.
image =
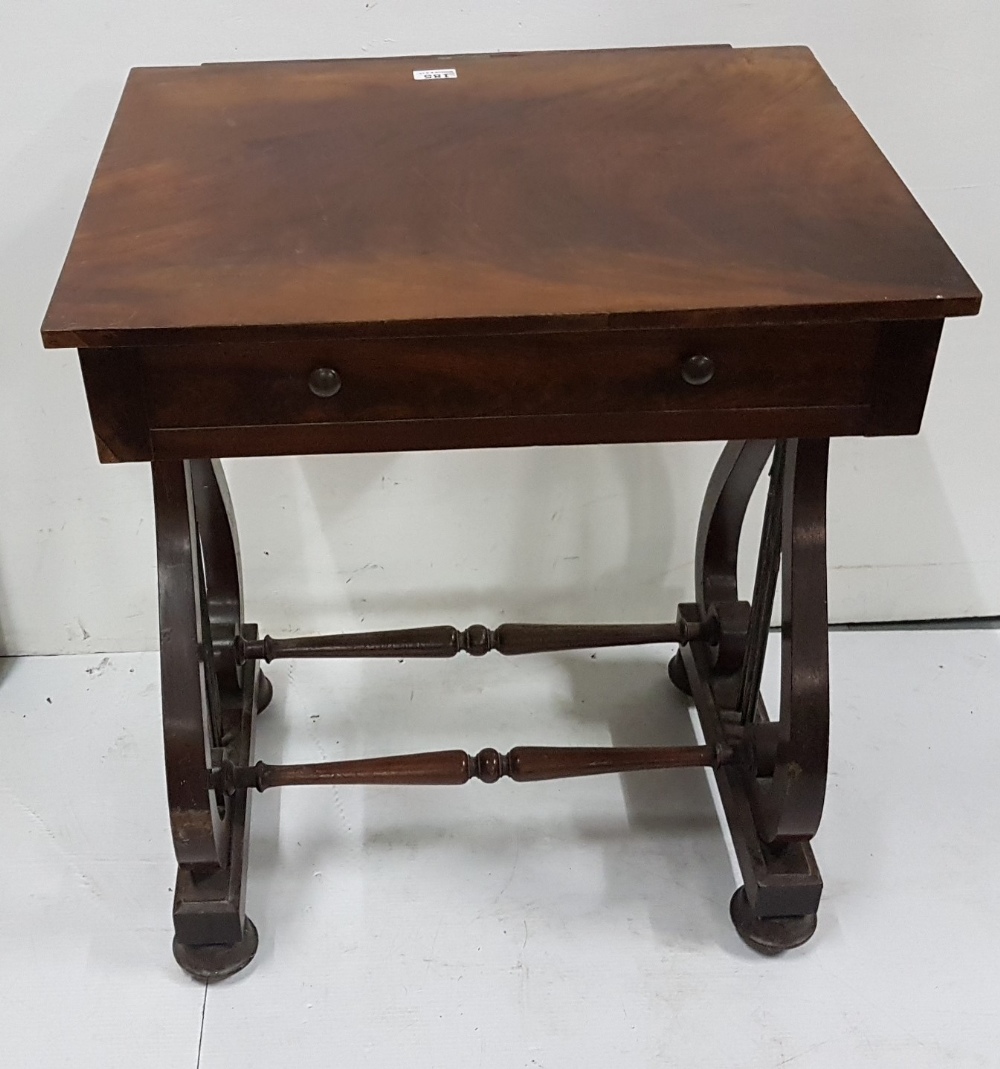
(512, 376)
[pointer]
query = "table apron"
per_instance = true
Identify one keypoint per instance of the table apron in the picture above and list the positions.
(376, 395)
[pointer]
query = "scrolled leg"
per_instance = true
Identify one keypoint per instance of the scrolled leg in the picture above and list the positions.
(717, 550)
(220, 548)
(788, 803)
(223, 586)
(197, 816)
(209, 703)
(723, 511)
(773, 792)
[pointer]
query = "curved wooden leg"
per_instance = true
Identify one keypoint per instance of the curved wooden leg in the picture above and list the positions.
(721, 523)
(197, 818)
(788, 803)
(716, 552)
(717, 549)
(773, 796)
(208, 710)
(223, 580)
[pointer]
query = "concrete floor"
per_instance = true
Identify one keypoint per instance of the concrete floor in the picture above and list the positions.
(568, 924)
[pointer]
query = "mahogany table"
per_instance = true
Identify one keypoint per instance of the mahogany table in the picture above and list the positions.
(644, 245)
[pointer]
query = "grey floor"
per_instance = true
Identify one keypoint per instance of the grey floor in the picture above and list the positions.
(579, 923)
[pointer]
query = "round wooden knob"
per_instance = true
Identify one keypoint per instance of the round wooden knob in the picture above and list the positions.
(325, 382)
(697, 370)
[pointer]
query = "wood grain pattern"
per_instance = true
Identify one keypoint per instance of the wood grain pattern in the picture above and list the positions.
(504, 375)
(252, 399)
(542, 191)
(552, 248)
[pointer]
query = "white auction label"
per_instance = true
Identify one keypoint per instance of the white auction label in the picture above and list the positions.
(433, 76)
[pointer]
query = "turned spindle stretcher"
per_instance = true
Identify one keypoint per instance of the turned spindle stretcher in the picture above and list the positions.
(639, 245)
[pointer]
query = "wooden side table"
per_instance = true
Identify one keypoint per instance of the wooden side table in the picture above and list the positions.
(645, 245)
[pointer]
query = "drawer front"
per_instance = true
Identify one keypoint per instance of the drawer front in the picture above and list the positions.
(528, 375)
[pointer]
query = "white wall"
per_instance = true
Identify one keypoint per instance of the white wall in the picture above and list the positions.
(590, 533)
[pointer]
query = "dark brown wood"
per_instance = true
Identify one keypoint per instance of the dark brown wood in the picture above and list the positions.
(552, 248)
(637, 187)
(399, 435)
(723, 510)
(780, 880)
(209, 709)
(174, 402)
(113, 380)
(788, 805)
(527, 375)
(197, 820)
(508, 639)
(228, 218)
(530, 763)
(452, 767)
(220, 553)
(209, 906)
(716, 552)
(213, 937)
(626, 384)
(774, 789)
(769, 935)
(903, 366)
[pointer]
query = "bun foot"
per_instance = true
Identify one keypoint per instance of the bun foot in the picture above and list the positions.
(265, 692)
(678, 674)
(769, 935)
(217, 960)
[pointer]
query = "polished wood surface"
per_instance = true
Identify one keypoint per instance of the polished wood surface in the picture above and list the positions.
(550, 248)
(443, 768)
(535, 374)
(540, 251)
(511, 640)
(192, 724)
(534, 192)
(172, 402)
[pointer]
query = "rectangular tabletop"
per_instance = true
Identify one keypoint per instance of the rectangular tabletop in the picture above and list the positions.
(586, 191)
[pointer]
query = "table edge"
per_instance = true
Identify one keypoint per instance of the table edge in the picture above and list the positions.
(68, 336)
